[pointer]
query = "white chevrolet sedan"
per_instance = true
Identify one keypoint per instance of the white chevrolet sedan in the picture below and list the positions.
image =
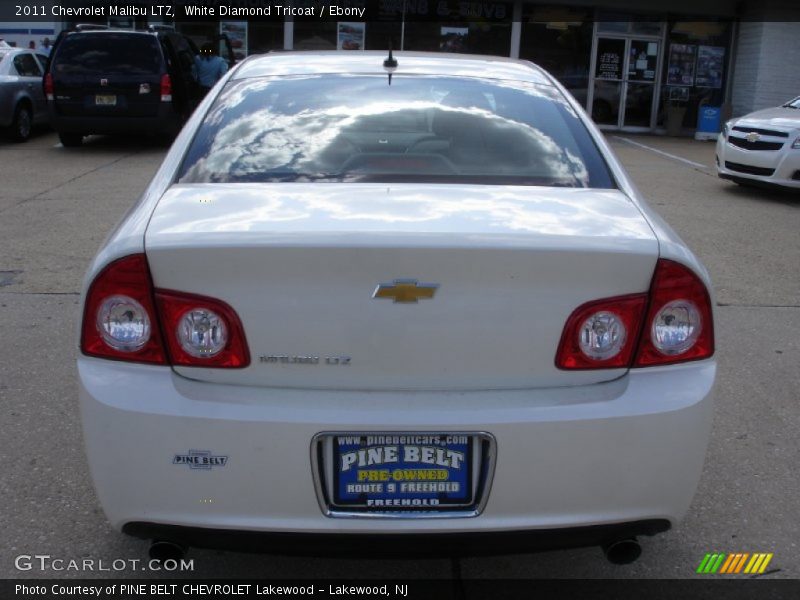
(762, 147)
(412, 298)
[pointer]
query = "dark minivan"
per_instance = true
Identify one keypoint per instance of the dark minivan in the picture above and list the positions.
(110, 82)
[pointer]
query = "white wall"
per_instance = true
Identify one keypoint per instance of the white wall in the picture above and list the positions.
(767, 65)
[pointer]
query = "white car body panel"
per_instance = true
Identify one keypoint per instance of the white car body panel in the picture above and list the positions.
(611, 446)
(778, 117)
(632, 448)
(733, 161)
(313, 254)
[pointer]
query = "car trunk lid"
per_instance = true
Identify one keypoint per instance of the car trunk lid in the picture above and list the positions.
(300, 264)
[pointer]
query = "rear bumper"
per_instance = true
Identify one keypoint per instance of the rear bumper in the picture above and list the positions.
(166, 121)
(396, 545)
(624, 451)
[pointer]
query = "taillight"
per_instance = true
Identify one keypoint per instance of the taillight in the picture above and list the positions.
(679, 324)
(119, 318)
(166, 88)
(602, 334)
(49, 88)
(121, 322)
(615, 333)
(202, 332)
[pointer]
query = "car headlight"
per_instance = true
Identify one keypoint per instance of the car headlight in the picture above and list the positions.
(796, 144)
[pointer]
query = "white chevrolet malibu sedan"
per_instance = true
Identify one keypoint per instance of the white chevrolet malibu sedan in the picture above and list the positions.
(762, 147)
(410, 298)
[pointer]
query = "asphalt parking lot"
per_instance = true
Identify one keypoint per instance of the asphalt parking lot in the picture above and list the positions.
(57, 205)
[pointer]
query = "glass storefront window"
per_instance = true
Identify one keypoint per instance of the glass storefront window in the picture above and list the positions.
(312, 34)
(263, 36)
(646, 27)
(559, 39)
(695, 71)
(200, 33)
(611, 22)
(378, 34)
(470, 27)
(605, 26)
(466, 37)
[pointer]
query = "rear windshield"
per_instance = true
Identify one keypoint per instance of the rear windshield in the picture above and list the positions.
(418, 129)
(108, 53)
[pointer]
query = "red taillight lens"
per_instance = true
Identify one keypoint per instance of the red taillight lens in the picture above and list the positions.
(119, 318)
(166, 88)
(615, 333)
(602, 334)
(49, 88)
(202, 332)
(679, 324)
(120, 322)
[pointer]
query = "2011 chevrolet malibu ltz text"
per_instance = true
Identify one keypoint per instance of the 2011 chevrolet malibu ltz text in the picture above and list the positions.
(403, 297)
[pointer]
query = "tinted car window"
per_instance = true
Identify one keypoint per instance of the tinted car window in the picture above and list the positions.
(359, 128)
(27, 66)
(108, 53)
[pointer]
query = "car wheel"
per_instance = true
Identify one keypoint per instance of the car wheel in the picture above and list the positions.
(70, 140)
(22, 124)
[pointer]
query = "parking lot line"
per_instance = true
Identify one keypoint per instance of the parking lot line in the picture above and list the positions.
(691, 163)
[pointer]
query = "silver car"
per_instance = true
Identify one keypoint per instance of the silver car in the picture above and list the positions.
(22, 103)
(762, 148)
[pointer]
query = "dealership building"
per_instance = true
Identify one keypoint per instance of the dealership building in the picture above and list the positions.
(635, 68)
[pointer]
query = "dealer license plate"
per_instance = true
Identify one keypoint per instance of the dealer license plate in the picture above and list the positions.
(108, 100)
(403, 471)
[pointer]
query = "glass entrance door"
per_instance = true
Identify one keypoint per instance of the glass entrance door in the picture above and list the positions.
(624, 81)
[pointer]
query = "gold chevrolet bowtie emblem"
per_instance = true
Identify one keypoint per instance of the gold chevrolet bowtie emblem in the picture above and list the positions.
(753, 136)
(406, 291)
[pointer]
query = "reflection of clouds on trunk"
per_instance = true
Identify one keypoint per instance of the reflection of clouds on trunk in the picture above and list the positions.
(412, 208)
(314, 127)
